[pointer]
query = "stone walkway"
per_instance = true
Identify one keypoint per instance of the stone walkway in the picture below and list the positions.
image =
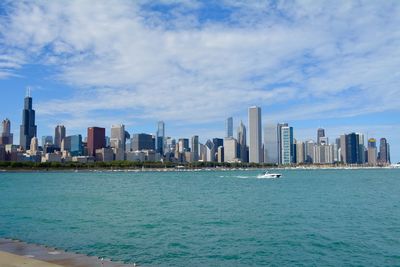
(15, 253)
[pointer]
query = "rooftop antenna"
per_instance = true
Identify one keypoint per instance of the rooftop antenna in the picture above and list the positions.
(28, 91)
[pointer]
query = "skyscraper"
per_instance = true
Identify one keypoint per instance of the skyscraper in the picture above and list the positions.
(47, 140)
(372, 151)
(255, 144)
(6, 137)
(287, 145)
(241, 139)
(59, 135)
(230, 149)
(73, 144)
(384, 157)
(320, 134)
(270, 144)
(352, 148)
(28, 128)
(160, 137)
(117, 139)
(229, 127)
(96, 139)
(195, 147)
(142, 141)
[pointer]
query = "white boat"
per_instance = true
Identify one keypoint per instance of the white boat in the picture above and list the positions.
(270, 175)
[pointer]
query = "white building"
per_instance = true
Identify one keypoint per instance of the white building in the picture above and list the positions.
(255, 144)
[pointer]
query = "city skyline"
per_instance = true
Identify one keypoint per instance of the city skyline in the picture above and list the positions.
(296, 64)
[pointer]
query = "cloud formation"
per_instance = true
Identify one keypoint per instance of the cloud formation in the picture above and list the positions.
(177, 60)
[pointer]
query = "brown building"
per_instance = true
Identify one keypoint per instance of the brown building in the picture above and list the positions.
(96, 139)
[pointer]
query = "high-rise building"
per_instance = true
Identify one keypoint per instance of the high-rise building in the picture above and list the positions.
(183, 145)
(242, 143)
(118, 137)
(59, 135)
(309, 151)
(300, 150)
(34, 146)
(372, 151)
(271, 144)
(230, 149)
(255, 144)
(287, 145)
(320, 134)
(384, 156)
(229, 127)
(142, 141)
(361, 149)
(352, 148)
(96, 139)
(195, 147)
(160, 137)
(73, 144)
(6, 136)
(209, 150)
(28, 128)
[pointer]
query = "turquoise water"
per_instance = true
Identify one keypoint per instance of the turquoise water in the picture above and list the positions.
(210, 218)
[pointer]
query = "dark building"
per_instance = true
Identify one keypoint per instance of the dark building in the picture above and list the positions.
(96, 139)
(160, 135)
(28, 128)
(218, 142)
(352, 149)
(320, 134)
(142, 141)
(384, 156)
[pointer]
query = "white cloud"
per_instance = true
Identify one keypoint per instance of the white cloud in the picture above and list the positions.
(119, 55)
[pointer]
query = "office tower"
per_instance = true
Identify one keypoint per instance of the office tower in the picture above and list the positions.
(47, 140)
(73, 144)
(230, 149)
(118, 136)
(28, 128)
(217, 143)
(220, 153)
(323, 154)
(309, 151)
(352, 148)
(342, 147)
(300, 150)
(287, 143)
(384, 157)
(96, 139)
(34, 146)
(6, 137)
(320, 134)
(271, 144)
(279, 137)
(255, 144)
(195, 148)
(160, 137)
(142, 141)
(372, 151)
(229, 127)
(242, 144)
(210, 151)
(59, 135)
(361, 149)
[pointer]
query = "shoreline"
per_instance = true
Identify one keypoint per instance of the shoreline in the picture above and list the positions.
(192, 169)
(18, 253)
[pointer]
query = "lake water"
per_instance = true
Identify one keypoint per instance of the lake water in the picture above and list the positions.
(210, 218)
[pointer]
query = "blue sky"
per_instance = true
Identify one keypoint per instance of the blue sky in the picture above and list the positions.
(331, 64)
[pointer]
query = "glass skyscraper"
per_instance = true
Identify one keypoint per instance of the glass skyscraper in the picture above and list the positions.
(28, 128)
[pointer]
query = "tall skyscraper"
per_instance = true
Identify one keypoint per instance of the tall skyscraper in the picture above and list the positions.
(300, 150)
(195, 147)
(242, 143)
(320, 134)
(160, 137)
(287, 145)
(28, 128)
(271, 144)
(352, 148)
(384, 157)
(255, 144)
(372, 151)
(6, 137)
(117, 139)
(229, 127)
(96, 139)
(59, 135)
(73, 144)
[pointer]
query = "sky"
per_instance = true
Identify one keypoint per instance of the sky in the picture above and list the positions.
(331, 64)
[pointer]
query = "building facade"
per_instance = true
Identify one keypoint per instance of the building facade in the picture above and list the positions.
(255, 144)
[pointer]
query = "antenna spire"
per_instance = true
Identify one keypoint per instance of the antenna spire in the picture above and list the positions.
(28, 91)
